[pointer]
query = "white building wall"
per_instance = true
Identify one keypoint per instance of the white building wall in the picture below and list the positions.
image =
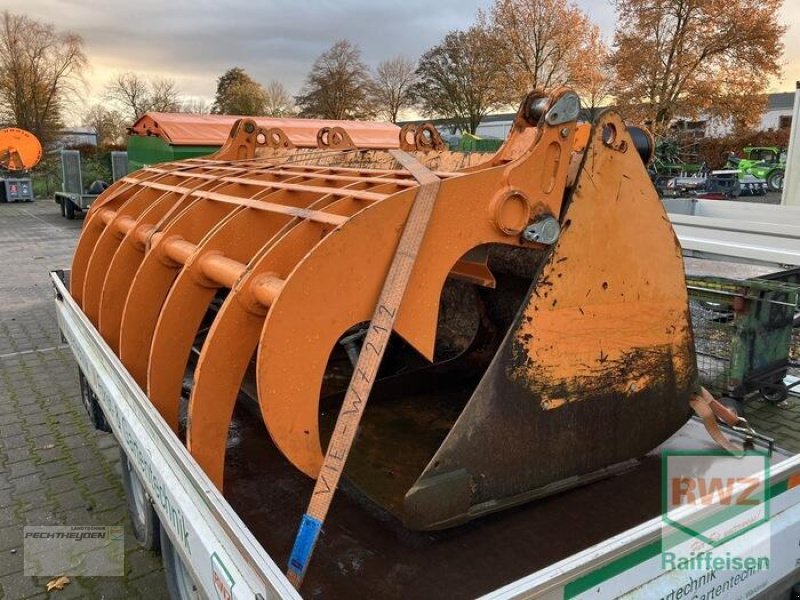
(494, 129)
(771, 118)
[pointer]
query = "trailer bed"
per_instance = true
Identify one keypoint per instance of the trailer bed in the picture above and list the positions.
(237, 546)
(364, 550)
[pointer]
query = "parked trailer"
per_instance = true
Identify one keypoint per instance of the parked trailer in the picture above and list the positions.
(74, 198)
(597, 541)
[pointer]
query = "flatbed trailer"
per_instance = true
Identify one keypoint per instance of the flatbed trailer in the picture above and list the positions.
(601, 540)
(72, 199)
(72, 203)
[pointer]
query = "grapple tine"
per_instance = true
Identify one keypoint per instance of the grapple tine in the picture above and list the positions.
(94, 227)
(154, 278)
(107, 204)
(127, 259)
(230, 345)
(236, 329)
(238, 239)
(181, 316)
(135, 221)
(305, 322)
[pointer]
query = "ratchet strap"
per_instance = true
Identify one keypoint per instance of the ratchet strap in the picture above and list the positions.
(709, 409)
(366, 368)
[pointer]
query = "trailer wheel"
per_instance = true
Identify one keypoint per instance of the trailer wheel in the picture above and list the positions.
(144, 519)
(774, 393)
(180, 583)
(96, 415)
(69, 209)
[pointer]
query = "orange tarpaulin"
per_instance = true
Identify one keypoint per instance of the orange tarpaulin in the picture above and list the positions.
(183, 129)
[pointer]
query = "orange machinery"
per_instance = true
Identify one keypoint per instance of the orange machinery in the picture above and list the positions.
(543, 339)
(20, 151)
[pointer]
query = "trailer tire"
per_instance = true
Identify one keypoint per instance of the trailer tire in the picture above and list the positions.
(774, 393)
(180, 584)
(96, 415)
(69, 209)
(143, 517)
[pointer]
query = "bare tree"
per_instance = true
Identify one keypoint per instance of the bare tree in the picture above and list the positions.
(164, 95)
(195, 106)
(394, 80)
(279, 102)
(130, 92)
(134, 95)
(40, 72)
(460, 78)
(338, 86)
(687, 57)
(110, 125)
(541, 42)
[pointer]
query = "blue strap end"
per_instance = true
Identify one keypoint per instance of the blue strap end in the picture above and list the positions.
(304, 544)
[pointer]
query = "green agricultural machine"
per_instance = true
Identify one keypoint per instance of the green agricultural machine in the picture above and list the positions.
(767, 163)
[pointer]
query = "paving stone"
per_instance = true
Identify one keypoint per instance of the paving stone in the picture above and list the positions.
(53, 465)
(19, 586)
(11, 563)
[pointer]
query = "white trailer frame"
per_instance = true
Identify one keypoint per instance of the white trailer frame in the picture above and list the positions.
(747, 232)
(227, 561)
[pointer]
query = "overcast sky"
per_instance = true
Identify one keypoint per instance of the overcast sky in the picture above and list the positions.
(195, 41)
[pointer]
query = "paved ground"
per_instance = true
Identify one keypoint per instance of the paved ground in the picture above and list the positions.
(54, 468)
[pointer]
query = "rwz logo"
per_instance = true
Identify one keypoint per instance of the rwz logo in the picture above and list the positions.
(707, 491)
(223, 582)
(715, 506)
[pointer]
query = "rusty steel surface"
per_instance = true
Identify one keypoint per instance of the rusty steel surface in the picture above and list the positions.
(547, 305)
(212, 130)
(20, 150)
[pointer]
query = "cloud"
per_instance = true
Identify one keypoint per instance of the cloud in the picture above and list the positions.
(194, 42)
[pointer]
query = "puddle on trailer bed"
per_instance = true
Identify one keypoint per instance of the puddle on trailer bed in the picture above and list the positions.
(364, 550)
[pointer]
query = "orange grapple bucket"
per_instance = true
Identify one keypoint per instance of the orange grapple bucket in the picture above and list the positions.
(543, 340)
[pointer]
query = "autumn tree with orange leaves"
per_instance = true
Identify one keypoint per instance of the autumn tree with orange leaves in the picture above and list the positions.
(540, 44)
(690, 58)
(593, 77)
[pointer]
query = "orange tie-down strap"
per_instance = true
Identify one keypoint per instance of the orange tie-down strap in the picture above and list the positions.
(366, 368)
(710, 410)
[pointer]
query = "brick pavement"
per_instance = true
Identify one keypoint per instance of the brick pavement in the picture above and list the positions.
(55, 469)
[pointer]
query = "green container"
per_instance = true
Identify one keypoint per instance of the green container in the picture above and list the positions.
(743, 332)
(473, 143)
(145, 150)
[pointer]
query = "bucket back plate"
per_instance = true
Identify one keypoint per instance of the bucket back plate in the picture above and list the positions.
(598, 365)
